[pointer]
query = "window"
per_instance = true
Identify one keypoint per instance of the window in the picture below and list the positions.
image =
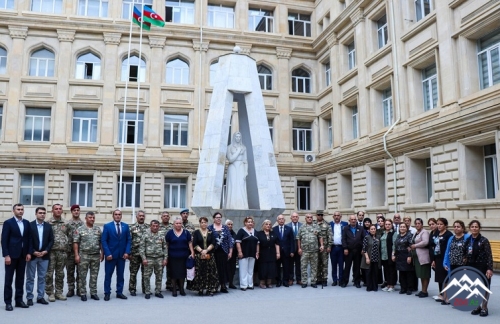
(42, 63)
(47, 6)
(423, 8)
(383, 34)
(82, 189)
(376, 187)
(330, 133)
(85, 126)
(175, 130)
(128, 6)
(1, 119)
(175, 193)
(260, 20)
(355, 122)
(88, 66)
(220, 16)
(271, 128)
(3, 61)
(6, 4)
(303, 195)
(214, 67)
(490, 170)
(265, 77)
(387, 106)
(301, 81)
(489, 60)
(345, 190)
(428, 178)
(299, 24)
(328, 74)
(93, 8)
(177, 72)
(429, 86)
(131, 127)
(127, 187)
(351, 56)
(132, 71)
(37, 125)
(179, 11)
(302, 136)
(31, 191)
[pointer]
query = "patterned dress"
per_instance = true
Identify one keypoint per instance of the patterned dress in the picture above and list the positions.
(205, 270)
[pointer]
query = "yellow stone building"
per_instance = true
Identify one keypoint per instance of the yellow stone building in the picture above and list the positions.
(375, 105)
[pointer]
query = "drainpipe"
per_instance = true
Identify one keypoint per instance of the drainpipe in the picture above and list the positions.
(397, 97)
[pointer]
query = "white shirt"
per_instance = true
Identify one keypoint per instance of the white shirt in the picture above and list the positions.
(20, 224)
(337, 233)
(39, 227)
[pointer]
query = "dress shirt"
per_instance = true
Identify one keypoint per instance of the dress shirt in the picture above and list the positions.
(337, 234)
(353, 230)
(39, 227)
(20, 224)
(396, 228)
(360, 223)
(295, 227)
(118, 227)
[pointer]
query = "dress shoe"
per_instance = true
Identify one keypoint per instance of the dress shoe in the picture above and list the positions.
(30, 302)
(299, 282)
(52, 298)
(21, 304)
(159, 295)
(409, 292)
(224, 290)
(278, 284)
(334, 283)
(343, 285)
(285, 284)
(9, 308)
(71, 293)
(251, 288)
(476, 311)
(83, 297)
(402, 292)
(61, 297)
(232, 286)
(325, 283)
(314, 286)
(106, 297)
(357, 285)
(42, 301)
(174, 292)
(94, 297)
(304, 286)
(290, 282)
(121, 296)
(132, 293)
(423, 295)
(243, 289)
(147, 296)
(483, 313)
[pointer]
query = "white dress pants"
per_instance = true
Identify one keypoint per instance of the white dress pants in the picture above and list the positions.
(246, 272)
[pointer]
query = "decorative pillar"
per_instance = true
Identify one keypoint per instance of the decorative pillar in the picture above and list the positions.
(284, 132)
(335, 70)
(198, 118)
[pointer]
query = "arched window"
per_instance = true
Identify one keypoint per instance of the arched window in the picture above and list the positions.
(3, 61)
(177, 72)
(88, 66)
(42, 63)
(213, 71)
(134, 71)
(265, 77)
(301, 81)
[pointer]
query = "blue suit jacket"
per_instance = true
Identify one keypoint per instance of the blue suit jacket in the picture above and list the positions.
(287, 243)
(14, 244)
(115, 245)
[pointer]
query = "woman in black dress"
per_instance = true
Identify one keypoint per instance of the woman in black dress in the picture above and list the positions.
(269, 252)
(223, 249)
(438, 242)
(370, 260)
(206, 272)
(234, 256)
(248, 251)
(402, 256)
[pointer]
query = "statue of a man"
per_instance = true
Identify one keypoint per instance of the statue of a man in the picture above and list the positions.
(237, 171)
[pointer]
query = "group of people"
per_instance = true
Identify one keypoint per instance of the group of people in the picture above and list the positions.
(377, 253)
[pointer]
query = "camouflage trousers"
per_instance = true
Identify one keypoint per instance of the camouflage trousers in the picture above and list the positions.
(71, 271)
(88, 262)
(154, 265)
(57, 263)
(311, 259)
(323, 266)
(135, 263)
(168, 284)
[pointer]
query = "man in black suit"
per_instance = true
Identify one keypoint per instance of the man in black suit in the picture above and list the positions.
(15, 248)
(42, 239)
(352, 242)
(287, 250)
(295, 259)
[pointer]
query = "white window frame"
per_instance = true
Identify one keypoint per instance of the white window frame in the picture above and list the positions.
(176, 127)
(428, 81)
(330, 132)
(270, 123)
(6, 4)
(182, 13)
(490, 62)
(304, 133)
(265, 79)
(41, 64)
(328, 74)
(84, 5)
(32, 187)
(388, 109)
(355, 122)
(3, 60)
(171, 187)
(294, 18)
(493, 171)
(177, 74)
(303, 82)
(80, 123)
(255, 16)
(420, 8)
(33, 119)
(428, 178)
(217, 11)
(127, 190)
(131, 121)
(351, 55)
(47, 6)
(307, 188)
(128, 5)
(83, 65)
(382, 32)
(139, 64)
(1, 120)
(83, 188)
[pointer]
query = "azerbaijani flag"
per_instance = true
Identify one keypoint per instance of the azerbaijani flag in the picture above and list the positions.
(137, 19)
(152, 17)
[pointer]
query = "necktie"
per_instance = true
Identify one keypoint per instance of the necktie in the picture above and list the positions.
(281, 231)
(295, 229)
(118, 229)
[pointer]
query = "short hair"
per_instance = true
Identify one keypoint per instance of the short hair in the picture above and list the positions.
(442, 220)
(54, 205)
(37, 209)
(203, 218)
(228, 221)
(407, 217)
(432, 219)
(17, 205)
(360, 211)
(247, 219)
(389, 220)
(177, 218)
(140, 211)
(475, 222)
(373, 225)
(165, 212)
(89, 213)
(265, 222)
(215, 214)
(462, 224)
(154, 221)
(117, 209)
(367, 219)
(403, 224)
(381, 218)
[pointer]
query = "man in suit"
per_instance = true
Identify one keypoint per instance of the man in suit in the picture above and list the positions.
(41, 242)
(361, 217)
(352, 242)
(337, 251)
(15, 249)
(295, 258)
(287, 249)
(396, 221)
(116, 241)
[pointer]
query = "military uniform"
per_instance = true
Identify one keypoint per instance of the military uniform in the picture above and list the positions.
(89, 248)
(327, 235)
(163, 231)
(154, 249)
(189, 227)
(137, 231)
(308, 236)
(71, 267)
(57, 262)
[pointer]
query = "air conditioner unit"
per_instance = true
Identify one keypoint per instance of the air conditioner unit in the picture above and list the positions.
(309, 158)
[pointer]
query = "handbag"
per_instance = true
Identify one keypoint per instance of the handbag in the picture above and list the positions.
(206, 257)
(189, 263)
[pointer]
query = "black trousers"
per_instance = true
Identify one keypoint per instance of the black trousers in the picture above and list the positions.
(353, 259)
(222, 266)
(17, 266)
(406, 280)
(295, 268)
(232, 267)
(283, 261)
(390, 273)
(371, 277)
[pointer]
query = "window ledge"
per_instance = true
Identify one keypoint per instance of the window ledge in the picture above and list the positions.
(380, 209)
(351, 74)
(33, 144)
(38, 14)
(479, 204)
(4, 78)
(300, 95)
(132, 85)
(419, 207)
(82, 145)
(36, 79)
(381, 52)
(419, 26)
(86, 82)
(177, 87)
(173, 148)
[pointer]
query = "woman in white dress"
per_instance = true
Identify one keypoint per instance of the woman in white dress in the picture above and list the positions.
(237, 172)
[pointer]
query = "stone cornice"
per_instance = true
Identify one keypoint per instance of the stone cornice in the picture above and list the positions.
(18, 32)
(66, 35)
(283, 52)
(112, 38)
(245, 48)
(357, 16)
(157, 41)
(332, 40)
(200, 46)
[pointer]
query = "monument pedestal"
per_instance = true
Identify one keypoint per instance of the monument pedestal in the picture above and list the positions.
(237, 216)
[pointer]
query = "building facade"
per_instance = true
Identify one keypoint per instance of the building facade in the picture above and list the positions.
(375, 105)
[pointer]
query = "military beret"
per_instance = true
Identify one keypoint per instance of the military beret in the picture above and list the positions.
(319, 212)
(74, 207)
(185, 211)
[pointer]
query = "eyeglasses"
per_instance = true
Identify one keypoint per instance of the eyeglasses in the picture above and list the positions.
(218, 217)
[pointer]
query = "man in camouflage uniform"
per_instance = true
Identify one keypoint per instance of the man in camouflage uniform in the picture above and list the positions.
(137, 231)
(58, 255)
(88, 255)
(153, 251)
(307, 239)
(185, 223)
(166, 226)
(71, 267)
(327, 235)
